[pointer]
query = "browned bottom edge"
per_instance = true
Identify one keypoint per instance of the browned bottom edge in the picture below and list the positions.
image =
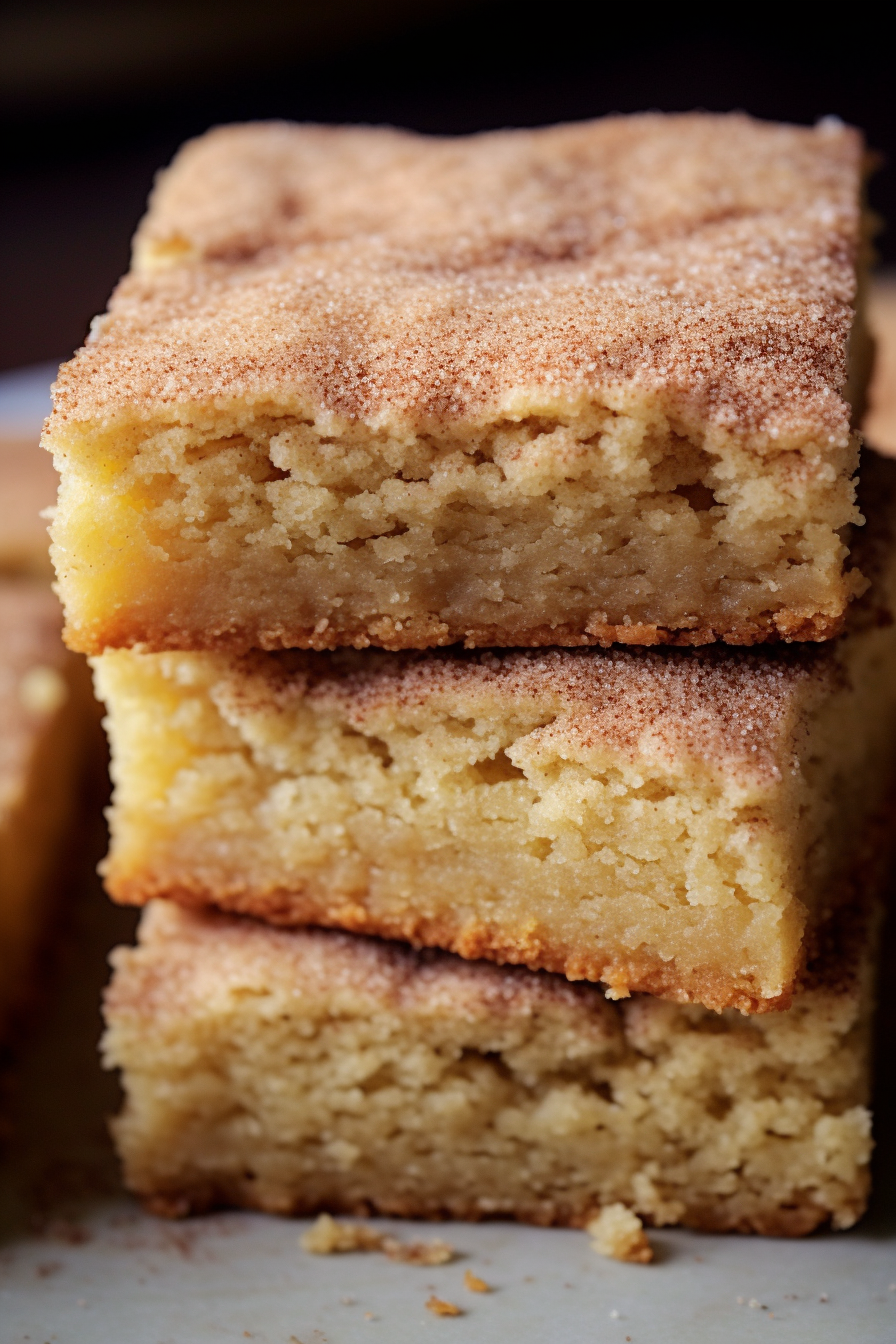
(431, 631)
(798, 1217)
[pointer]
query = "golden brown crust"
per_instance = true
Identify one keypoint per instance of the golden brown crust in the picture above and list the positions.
(709, 260)
(118, 631)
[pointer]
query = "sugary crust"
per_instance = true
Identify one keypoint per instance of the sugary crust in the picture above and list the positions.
(325, 963)
(708, 260)
(728, 710)
(385, 971)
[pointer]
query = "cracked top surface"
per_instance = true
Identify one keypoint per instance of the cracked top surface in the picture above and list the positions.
(734, 712)
(706, 260)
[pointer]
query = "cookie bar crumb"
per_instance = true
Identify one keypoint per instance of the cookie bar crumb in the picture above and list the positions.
(439, 1307)
(474, 1284)
(619, 1234)
(329, 1237)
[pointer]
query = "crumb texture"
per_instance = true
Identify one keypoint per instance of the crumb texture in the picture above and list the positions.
(298, 1071)
(577, 385)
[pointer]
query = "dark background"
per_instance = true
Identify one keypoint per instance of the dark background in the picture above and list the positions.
(94, 97)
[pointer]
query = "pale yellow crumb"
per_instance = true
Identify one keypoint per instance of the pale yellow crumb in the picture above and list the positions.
(617, 1232)
(474, 1284)
(329, 1237)
(435, 1252)
(439, 1307)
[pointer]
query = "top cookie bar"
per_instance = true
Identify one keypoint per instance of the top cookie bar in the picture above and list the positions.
(579, 385)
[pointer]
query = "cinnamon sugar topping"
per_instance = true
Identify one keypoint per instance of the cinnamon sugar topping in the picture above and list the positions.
(382, 275)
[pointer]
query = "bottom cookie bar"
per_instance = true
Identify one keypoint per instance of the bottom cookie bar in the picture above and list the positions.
(297, 1070)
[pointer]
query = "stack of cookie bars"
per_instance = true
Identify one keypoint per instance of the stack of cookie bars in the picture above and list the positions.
(500, 681)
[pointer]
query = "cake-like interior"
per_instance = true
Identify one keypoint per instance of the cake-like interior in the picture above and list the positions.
(293, 1071)
(580, 385)
(663, 821)
(44, 691)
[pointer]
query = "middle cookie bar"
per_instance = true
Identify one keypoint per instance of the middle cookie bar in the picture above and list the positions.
(668, 822)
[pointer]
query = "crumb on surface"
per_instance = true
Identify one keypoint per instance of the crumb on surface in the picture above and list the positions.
(439, 1307)
(618, 1233)
(329, 1237)
(474, 1284)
